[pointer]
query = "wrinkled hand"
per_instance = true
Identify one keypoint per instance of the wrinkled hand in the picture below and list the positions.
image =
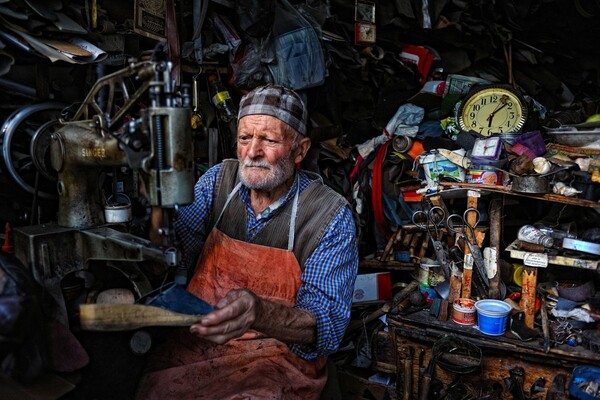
(235, 314)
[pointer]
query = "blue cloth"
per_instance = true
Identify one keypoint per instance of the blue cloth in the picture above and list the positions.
(329, 272)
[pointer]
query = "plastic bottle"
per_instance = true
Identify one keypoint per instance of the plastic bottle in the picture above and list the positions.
(529, 233)
(221, 99)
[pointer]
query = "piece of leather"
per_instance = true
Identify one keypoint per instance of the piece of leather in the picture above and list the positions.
(174, 297)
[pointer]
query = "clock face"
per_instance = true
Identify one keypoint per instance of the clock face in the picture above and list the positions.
(492, 109)
(489, 148)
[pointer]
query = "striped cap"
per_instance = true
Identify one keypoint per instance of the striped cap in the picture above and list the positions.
(277, 101)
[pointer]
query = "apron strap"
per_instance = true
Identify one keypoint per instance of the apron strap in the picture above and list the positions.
(292, 231)
(229, 197)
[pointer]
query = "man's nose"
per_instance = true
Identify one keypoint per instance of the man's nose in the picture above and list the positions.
(255, 148)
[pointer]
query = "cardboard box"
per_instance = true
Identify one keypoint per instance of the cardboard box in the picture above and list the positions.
(371, 287)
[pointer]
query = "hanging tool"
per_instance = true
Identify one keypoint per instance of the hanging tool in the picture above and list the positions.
(515, 383)
(427, 377)
(421, 373)
(432, 222)
(544, 317)
(196, 122)
(459, 224)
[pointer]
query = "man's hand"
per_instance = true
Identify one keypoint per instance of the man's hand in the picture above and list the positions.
(236, 313)
(241, 310)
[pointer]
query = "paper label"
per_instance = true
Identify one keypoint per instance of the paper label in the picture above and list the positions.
(490, 257)
(473, 193)
(539, 260)
(468, 261)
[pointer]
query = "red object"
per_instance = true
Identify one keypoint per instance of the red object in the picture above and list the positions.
(420, 56)
(514, 296)
(377, 188)
(7, 247)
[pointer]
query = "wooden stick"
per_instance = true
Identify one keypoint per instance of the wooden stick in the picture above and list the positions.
(528, 293)
(468, 265)
(390, 244)
(495, 235)
(424, 246)
(413, 243)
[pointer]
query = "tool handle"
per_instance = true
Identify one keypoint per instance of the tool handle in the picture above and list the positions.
(425, 386)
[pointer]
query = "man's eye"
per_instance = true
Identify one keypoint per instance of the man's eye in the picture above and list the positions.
(243, 138)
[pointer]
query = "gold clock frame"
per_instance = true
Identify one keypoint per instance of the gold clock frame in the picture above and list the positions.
(492, 109)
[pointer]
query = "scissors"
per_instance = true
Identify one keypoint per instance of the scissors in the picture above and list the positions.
(460, 225)
(432, 221)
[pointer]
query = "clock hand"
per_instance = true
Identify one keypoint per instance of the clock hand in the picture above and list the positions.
(500, 107)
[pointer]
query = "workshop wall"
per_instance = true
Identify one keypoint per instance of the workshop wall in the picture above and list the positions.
(369, 71)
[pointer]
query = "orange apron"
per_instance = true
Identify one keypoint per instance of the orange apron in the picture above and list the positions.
(253, 366)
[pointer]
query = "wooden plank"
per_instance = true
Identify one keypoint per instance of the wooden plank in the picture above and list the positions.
(506, 190)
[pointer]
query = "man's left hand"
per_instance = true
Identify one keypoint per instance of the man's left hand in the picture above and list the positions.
(235, 314)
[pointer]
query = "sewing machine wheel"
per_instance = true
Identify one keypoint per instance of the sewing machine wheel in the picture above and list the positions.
(16, 136)
(40, 149)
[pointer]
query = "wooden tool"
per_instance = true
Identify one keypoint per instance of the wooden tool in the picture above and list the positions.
(122, 317)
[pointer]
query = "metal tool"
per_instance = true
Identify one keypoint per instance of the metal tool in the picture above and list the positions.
(432, 221)
(460, 225)
(581, 245)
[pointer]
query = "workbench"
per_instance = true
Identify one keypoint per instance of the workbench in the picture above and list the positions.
(416, 333)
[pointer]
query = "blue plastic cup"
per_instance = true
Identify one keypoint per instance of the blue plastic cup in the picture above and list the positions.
(492, 316)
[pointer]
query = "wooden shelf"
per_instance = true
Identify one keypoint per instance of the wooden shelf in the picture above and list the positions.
(390, 265)
(506, 190)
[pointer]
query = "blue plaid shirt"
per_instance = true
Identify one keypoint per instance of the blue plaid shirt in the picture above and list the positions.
(329, 272)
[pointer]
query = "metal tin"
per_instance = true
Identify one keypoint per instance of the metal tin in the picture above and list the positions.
(463, 311)
(484, 177)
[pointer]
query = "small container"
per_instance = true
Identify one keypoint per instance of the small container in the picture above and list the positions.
(492, 316)
(116, 212)
(463, 311)
(484, 177)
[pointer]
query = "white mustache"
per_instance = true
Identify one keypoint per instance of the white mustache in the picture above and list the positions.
(257, 163)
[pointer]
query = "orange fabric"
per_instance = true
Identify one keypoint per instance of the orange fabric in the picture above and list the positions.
(247, 368)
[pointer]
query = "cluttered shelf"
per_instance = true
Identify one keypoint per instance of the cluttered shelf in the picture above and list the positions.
(507, 190)
(422, 325)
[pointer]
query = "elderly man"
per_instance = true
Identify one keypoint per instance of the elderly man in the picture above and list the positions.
(279, 262)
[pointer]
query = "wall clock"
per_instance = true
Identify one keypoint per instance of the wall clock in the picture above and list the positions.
(492, 109)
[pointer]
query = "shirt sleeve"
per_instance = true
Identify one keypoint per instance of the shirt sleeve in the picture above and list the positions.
(327, 285)
(190, 226)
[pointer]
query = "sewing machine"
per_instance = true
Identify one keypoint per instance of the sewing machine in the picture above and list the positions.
(146, 131)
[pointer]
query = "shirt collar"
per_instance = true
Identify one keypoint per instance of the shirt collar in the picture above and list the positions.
(283, 200)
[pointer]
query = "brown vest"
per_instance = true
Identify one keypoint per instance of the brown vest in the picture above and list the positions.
(318, 204)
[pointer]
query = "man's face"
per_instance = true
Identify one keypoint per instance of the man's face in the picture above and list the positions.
(265, 150)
